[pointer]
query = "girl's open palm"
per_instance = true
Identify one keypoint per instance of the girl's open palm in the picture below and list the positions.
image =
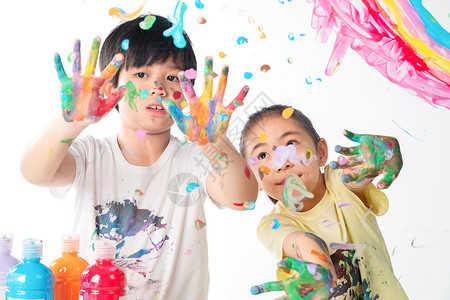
(208, 117)
(85, 97)
(374, 155)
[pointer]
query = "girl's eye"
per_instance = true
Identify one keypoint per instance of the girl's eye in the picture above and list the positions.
(262, 155)
(172, 78)
(291, 143)
(141, 75)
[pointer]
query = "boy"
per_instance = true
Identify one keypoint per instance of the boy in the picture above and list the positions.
(139, 187)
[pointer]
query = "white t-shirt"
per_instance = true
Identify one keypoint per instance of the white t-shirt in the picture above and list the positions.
(154, 213)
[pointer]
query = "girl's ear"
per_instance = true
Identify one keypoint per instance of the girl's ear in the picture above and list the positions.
(322, 152)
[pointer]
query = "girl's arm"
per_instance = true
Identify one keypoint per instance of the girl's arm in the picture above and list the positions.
(231, 183)
(308, 247)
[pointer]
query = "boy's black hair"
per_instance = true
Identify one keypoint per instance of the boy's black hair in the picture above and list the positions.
(276, 111)
(146, 47)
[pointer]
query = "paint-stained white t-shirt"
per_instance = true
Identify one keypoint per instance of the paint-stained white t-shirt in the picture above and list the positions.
(154, 214)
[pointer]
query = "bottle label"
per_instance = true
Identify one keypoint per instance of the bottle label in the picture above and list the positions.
(80, 297)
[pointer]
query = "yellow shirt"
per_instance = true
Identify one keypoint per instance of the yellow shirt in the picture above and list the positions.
(342, 218)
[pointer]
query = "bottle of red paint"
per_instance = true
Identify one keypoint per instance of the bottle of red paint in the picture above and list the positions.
(103, 280)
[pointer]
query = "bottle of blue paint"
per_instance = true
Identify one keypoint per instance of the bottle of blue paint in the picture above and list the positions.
(30, 279)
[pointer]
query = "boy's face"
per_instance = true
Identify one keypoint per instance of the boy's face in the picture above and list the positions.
(144, 111)
(285, 132)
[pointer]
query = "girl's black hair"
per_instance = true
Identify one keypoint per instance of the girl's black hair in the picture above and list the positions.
(275, 111)
(146, 47)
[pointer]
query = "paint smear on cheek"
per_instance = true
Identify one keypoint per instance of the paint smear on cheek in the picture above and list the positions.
(131, 96)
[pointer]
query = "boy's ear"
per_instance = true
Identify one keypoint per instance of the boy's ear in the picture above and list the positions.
(322, 152)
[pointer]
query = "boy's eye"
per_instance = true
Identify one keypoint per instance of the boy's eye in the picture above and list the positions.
(262, 155)
(172, 78)
(141, 75)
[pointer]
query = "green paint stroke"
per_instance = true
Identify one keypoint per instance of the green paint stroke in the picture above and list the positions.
(131, 96)
(66, 141)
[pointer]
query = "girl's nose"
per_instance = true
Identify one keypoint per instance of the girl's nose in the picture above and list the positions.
(286, 165)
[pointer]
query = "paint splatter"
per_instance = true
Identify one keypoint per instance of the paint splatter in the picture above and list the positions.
(265, 170)
(358, 247)
(138, 192)
(253, 161)
(287, 112)
(251, 20)
(125, 44)
(191, 186)
(265, 68)
(131, 95)
(242, 40)
(290, 60)
(249, 205)
(143, 94)
(238, 204)
(344, 204)
(176, 31)
(140, 134)
(275, 224)
(147, 23)
(247, 172)
(262, 137)
(201, 20)
(406, 131)
(188, 252)
(190, 74)
(291, 36)
(199, 224)
(199, 4)
(248, 75)
(328, 223)
(222, 54)
(66, 141)
(116, 12)
(176, 95)
(308, 80)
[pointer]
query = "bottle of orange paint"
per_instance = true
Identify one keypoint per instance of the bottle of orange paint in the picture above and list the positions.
(68, 268)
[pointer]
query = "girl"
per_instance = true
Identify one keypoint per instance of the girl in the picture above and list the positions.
(340, 209)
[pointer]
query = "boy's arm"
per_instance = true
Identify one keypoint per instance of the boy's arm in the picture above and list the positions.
(46, 161)
(231, 183)
(85, 99)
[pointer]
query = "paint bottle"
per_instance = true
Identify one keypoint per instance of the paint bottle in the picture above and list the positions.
(6, 260)
(30, 279)
(103, 280)
(68, 268)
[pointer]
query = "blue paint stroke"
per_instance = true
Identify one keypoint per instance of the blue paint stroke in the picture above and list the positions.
(199, 4)
(434, 29)
(176, 31)
(406, 131)
(119, 220)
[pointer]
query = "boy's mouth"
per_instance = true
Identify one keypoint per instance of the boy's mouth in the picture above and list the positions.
(284, 180)
(155, 108)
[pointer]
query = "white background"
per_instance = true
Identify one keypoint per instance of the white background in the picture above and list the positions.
(357, 98)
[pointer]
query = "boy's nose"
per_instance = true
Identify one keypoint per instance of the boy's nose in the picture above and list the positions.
(158, 90)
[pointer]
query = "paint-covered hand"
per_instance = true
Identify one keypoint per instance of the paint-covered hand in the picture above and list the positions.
(374, 155)
(208, 117)
(85, 97)
(309, 281)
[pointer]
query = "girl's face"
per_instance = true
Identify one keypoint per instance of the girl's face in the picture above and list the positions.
(280, 131)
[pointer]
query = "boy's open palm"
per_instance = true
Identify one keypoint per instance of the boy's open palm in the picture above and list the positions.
(374, 155)
(85, 97)
(310, 281)
(208, 117)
